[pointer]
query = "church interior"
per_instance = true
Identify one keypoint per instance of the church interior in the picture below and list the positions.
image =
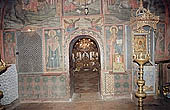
(84, 54)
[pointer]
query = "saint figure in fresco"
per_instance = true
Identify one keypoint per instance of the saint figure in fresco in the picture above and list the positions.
(9, 45)
(113, 37)
(53, 50)
(159, 42)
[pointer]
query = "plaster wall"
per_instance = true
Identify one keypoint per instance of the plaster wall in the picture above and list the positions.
(31, 30)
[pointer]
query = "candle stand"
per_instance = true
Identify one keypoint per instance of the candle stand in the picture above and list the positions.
(141, 82)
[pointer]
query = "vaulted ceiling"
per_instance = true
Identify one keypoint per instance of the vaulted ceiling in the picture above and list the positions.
(163, 4)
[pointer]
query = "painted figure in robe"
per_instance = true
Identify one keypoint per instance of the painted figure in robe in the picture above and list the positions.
(9, 48)
(113, 38)
(53, 51)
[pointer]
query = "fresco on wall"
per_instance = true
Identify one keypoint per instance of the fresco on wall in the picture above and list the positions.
(0, 15)
(155, 6)
(70, 25)
(117, 83)
(53, 50)
(76, 7)
(9, 45)
(120, 9)
(160, 41)
(1, 43)
(115, 48)
(134, 77)
(169, 49)
(149, 77)
(93, 23)
(21, 13)
(38, 87)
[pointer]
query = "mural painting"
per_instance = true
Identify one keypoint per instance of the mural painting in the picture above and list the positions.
(168, 42)
(92, 23)
(76, 7)
(21, 13)
(1, 42)
(115, 48)
(160, 41)
(134, 76)
(156, 6)
(53, 50)
(169, 49)
(0, 16)
(95, 24)
(121, 9)
(149, 77)
(70, 25)
(9, 45)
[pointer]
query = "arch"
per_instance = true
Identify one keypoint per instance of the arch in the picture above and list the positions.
(99, 40)
(94, 35)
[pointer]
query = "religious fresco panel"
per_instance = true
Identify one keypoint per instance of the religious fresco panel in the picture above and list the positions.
(77, 7)
(134, 77)
(93, 23)
(115, 55)
(160, 41)
(9, 47)
(21, 13)
(121, 9)
(168, 49)
(168, 42)
(149, 77)
(53, 50)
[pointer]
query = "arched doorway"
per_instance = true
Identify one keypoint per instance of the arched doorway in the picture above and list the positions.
(84, 65)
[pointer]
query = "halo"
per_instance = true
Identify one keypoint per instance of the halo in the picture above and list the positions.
(113, 27)
(52, 33)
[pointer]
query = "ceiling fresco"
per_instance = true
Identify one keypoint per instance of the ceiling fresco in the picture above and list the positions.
(47, 13)
(76, 7)
(19, 13)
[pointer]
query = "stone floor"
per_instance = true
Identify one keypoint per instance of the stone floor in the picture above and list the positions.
(80, 102)
(86, 81)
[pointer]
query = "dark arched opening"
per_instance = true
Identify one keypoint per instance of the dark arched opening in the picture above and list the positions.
(84, 65)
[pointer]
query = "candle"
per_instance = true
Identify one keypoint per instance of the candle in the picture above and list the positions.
(145, 56)
(140, 55)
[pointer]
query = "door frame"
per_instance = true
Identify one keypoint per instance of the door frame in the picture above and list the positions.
(71, 73)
